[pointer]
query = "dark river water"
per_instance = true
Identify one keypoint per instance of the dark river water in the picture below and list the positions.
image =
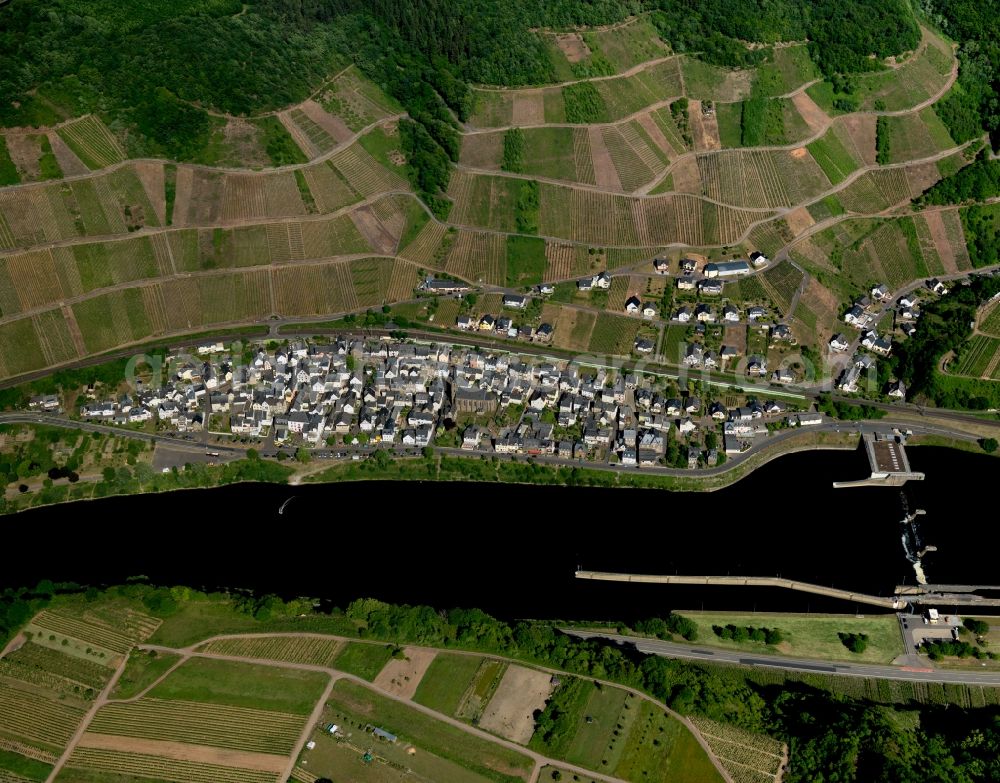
(512, 550)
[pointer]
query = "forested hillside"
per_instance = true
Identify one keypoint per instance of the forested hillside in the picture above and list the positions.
(153, 68)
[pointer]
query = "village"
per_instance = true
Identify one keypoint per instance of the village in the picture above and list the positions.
(410, 395)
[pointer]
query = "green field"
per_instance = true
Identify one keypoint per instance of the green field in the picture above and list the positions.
(526, 262)
(362, 660)
(28, 769)
(643, 757)
(787, 69)
(832, 155)
(808, 636)
(590, 743)
(446, 681)
(243, 685)
(144, 667)
(359, 705)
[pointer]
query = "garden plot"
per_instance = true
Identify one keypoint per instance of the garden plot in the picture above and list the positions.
(401, 676)
(976, 357)
(510, 713)
(478, 257)
(92, 142)
(571, 326)
(704, 128)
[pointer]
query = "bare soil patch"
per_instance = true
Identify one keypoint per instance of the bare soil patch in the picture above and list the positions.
(70, 164)
(24, 153)
(14, 644)
(371, 228)
(921, 177)
(401, 677)
(815, 117)
(244, 140)
(152, 178)
(529, 108)
(704, 130)
(736, 336)
(572, 46)
(649, 125)
(182, 195)
(861, 131)
(799, 220)
(687, 177)
(332, 125)
(182, 751)
(604, 168)
(511, 711)
(940, 236)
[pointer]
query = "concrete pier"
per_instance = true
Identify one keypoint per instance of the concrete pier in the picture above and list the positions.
(747, 581)
(889, 464)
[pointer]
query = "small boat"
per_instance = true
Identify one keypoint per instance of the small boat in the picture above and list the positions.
(282, 509)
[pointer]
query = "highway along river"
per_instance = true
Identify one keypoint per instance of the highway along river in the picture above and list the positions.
(512, 549)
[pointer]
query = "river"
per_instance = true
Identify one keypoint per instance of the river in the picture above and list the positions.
(512, 549)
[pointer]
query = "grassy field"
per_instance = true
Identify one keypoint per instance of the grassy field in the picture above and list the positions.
(526, 261)
(363, 660)
(589, 745)
(22, 767)
(360, 706)
(243, 685)
(446, 680)
(831, 152)
(644, 756)
(808, 636)
(144, 667)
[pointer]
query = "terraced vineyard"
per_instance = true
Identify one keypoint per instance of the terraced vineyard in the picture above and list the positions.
(747, 757)
(236, 728)
(142, 765)
(624, 169)
(292, 649)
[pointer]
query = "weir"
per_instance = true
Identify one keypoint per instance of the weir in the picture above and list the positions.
(889, 464)
(747, 581)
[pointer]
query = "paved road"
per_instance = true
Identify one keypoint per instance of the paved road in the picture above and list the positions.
(885, 672)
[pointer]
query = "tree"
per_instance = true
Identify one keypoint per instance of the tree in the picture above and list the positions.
(302, 455)
(253, 454)
(978, 627)
(989, 445)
